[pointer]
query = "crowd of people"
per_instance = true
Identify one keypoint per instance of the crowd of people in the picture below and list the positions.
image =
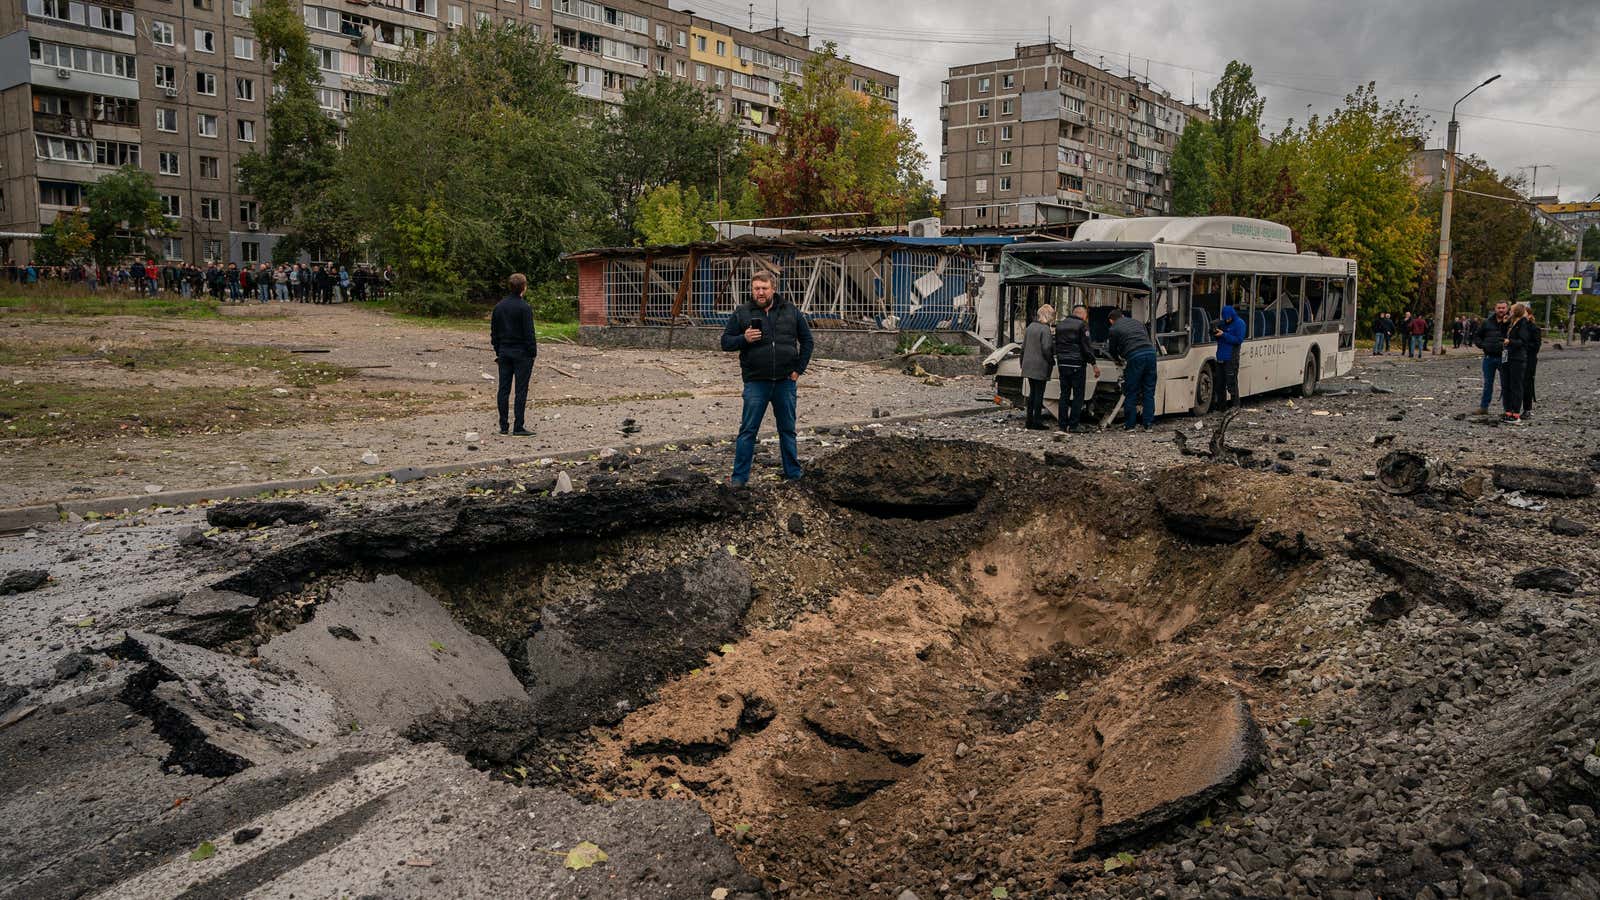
(262, 283)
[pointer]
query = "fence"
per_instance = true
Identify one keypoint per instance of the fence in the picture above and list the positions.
(862, 288)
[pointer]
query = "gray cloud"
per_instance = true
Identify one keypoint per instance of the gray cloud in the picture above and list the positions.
(1426, 51)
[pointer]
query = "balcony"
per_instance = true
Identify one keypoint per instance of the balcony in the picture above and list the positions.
(1072, 115)
(66, 126)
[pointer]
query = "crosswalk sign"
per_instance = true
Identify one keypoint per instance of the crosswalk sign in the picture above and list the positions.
(1575, 284)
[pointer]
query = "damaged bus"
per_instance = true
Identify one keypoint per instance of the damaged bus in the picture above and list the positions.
(1174, 275)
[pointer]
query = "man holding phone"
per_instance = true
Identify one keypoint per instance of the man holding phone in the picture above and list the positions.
(774, 344)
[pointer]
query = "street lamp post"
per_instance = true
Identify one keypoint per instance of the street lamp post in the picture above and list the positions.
(1444, 221)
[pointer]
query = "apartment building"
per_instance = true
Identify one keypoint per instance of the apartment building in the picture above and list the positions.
(178, 88)
(1046, 137)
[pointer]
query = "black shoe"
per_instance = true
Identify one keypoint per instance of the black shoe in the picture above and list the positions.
(521, 432)
(1037, 426)
(504, 430)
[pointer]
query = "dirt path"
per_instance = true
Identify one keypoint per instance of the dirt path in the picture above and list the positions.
(407, 392)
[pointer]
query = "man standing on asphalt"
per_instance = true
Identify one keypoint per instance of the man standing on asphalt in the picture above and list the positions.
(1382, 327)
(774, 344)
(1074, 353)
(1130, 345)
(515, 348)
(1491, 339)
(1230, 335)
(1417, 326)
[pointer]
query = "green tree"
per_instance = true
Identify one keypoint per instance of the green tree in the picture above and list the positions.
(1235, 170)
(838, 150)
(1490, 240)
(295, 180)
(124, 212)
(1354, 194)
(1192, 188)
(486, 142)
(66, 241)
(671, 214)
(665, 132)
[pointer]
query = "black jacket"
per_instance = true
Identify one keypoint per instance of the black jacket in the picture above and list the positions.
(1072, 343)
(785, 345)
(1128, 336)
(1491, 337)
(1522, 340)
(511, 329)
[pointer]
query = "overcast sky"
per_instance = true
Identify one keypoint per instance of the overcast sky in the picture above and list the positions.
(1304, 53)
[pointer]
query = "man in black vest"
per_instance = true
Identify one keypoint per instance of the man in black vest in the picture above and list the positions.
(774, 344)
(515, 347)
(1073, 355)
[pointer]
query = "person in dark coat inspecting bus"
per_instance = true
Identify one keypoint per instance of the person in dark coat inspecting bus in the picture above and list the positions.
(515, 348)
(1130, 344)
(773, 340)
(1074, 353)
(1230, 338)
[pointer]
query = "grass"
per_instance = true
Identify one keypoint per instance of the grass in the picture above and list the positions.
(63, 409)
(558, 331)
(60, 302)
(932, 346)
(292, 368)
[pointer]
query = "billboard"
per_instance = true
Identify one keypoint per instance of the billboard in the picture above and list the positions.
(1551, 277)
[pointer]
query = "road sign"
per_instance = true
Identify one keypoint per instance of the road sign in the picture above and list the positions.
(1551, 277)
(1575, 285)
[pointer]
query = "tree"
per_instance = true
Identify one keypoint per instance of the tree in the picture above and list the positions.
(1192, 188)
(1234, 167)
(485, 142)
(665, 132)
(66, 241)
(295, 180)
(671, 214)
(123, 207)
(838, 150)
(1489, 239)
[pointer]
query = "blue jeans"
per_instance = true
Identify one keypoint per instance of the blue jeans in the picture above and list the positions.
(1416, 346)
(781, 395)
(1139, 387)
(1491, 365)
(1380, 343)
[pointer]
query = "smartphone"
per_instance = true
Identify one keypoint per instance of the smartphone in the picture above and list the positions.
(759, 325)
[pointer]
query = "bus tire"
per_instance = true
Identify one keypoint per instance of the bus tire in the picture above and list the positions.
(1205, 390)
(1308, 380)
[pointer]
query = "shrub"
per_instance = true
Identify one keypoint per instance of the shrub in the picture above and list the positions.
(436, 303)
(554, 301)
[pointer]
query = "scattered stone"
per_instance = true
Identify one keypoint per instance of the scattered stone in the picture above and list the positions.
(192, 536)
(72, 665)
(1548, 482)
(797, 525)
(406, 474)
(317, 472)
(1568, 527)
(370, 458)
(153, 488)
(246, 835)
(245, 513)
(344, 632)
(21, 581)
(1388, 606)
(1548, 578)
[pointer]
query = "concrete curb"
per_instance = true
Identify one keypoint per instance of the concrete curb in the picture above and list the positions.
(20, 517)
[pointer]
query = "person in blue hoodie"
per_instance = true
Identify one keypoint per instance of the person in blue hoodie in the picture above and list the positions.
(1230, 337)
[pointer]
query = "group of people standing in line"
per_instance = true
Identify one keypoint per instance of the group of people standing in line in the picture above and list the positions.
(299, 282)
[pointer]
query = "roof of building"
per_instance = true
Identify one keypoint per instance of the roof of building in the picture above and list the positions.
(1569, 207)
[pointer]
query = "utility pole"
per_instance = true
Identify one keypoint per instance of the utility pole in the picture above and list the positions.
(1577, 266)
(1533, 233)
(1444, 223)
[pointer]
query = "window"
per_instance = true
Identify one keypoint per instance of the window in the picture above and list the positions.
(699, 72)
(327, 60)
(983, 110)
(1006, 107)
(455, 15)
(1005, 182)
(483, 19)
(172, 249)
(161, 33)
(247, 211)
(206, 123)
(250, 251)
(682, 69)
(980, 186)
(243, 48)
(171, 205)
(205, 41)
(167, 120)
(247, 131)
(54, 9)
(210, 208)
(61, 149)
(700, 42)
(536, 4)
(212, 251)
(60, 193)
(983, 213)
(241, 7)
(203, 4)
(1315, 303)
(82, 59)
(722, 48)
(1005, 132)
(1008, 81)
(166, 77)
(107, 19)
(168, 163)
(244, 88)
(983, 85)
(683, 39)
(716, 77)
(1005, 157)
(205, 83)
(210, 167)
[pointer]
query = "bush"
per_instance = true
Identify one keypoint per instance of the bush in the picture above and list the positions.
(932, 346)
(554, 301)
(436, 304)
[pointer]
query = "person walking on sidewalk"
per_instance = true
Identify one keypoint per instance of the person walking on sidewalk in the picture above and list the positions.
(1491, 339)
(1522, 338)
(1074, 354)
(515, 348)
(1130, 345)
(1038, 353)
(774, 344)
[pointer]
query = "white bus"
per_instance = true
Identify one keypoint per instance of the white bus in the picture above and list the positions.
(1174, 275)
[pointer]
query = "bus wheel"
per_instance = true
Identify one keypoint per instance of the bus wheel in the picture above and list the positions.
(1205, 390)
(1308, 381)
